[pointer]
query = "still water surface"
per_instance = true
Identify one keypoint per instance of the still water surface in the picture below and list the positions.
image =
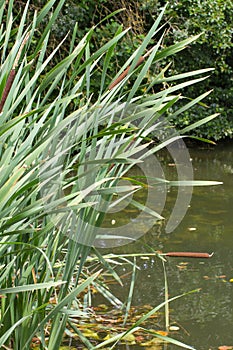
(205, 319)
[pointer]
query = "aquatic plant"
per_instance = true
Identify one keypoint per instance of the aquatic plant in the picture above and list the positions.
(63, 152)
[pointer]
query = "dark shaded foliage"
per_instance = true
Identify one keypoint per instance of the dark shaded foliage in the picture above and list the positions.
(185, 18)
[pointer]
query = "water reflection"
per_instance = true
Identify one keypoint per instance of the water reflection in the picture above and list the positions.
(206, 317)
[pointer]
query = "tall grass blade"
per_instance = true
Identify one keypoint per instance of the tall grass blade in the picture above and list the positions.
(131, 290)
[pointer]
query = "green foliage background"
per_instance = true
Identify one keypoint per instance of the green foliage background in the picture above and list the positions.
(184, 18)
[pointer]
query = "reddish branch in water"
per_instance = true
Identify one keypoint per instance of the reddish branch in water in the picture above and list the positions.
(189, 254)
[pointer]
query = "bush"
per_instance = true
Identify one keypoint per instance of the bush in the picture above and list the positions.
(213, 49)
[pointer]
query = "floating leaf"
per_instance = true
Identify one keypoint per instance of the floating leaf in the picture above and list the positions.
(129, 338)
(174, 328)
(192, 228)
(153, 342)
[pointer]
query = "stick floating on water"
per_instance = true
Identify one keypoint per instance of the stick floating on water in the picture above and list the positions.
(189, 255)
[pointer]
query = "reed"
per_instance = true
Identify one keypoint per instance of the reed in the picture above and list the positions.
(62, 154)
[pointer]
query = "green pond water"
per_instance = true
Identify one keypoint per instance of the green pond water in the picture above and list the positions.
(205, 319)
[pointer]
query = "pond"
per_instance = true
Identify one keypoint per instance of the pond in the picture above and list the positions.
(205, 318)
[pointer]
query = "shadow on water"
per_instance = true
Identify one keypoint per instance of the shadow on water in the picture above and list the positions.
(205, 318)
